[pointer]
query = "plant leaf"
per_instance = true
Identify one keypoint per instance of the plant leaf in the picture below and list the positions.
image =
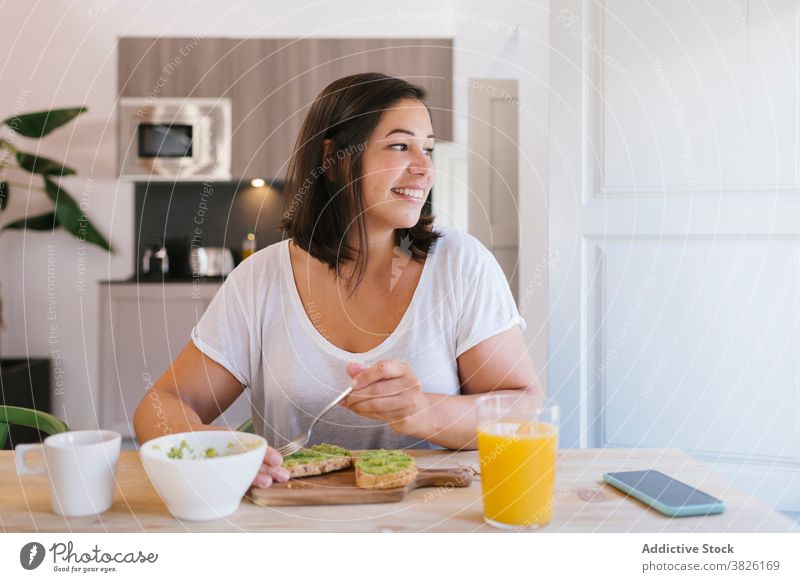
(41, 222)
(4, 192)
(40, 123)
(71, 217)
(42, 165)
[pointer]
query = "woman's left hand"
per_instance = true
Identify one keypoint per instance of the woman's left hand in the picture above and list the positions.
(389, 391)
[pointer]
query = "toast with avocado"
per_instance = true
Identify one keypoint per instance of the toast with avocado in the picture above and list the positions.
(382, 469)
(317, 460)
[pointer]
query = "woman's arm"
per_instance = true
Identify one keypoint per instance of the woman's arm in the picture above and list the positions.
(391, 391)
(188, 396)
(500, 363)
(192, 393)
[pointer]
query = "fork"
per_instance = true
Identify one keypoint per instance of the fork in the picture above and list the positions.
(301, 441)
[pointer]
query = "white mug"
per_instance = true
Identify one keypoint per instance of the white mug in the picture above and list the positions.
(82, 466)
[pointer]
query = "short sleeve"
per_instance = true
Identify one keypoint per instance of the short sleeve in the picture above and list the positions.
(224, 332)
(487, 305)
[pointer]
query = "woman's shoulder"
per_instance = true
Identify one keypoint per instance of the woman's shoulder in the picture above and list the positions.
(262, 264)
(459, 245)
(271, 253)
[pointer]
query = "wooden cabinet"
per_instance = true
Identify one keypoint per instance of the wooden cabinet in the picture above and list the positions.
(143, 328)
(272, 82)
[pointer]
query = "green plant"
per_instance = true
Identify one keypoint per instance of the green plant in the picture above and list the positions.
(66, 211)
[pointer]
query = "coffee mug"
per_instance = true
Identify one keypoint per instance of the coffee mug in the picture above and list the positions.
(82, 468)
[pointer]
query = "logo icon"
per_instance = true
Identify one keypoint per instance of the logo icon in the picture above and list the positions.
(402, 255)
(31, 555)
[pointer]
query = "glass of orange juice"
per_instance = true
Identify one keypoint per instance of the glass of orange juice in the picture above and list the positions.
(517, 444)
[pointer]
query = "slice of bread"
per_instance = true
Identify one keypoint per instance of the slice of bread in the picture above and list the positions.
(317, 460)
(382, 469)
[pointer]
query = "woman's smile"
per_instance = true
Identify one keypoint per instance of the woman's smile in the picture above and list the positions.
(413, 195)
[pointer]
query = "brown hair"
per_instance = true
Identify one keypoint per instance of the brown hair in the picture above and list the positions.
(325, 196)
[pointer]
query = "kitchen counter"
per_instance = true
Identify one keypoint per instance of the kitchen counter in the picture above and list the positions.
(583, 502)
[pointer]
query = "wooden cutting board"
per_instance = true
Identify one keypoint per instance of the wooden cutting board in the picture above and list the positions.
(339, 488)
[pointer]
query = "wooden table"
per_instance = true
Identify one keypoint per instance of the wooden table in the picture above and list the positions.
(583, 502)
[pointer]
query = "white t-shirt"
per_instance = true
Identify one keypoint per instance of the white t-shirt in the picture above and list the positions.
(257, 328)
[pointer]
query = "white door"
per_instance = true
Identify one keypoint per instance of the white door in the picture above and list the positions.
(450, 198)
(675, 214)
(493, 167)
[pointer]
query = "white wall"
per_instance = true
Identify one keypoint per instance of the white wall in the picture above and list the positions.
(60, 55)
(510, 40)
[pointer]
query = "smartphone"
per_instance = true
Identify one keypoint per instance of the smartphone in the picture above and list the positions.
(665, 494)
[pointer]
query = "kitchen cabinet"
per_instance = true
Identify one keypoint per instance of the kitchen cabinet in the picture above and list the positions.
(272, 82)
(143, 328)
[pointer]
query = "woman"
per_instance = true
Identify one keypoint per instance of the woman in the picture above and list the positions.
(362, 291)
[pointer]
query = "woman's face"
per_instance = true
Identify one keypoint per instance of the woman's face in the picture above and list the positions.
(397, 170)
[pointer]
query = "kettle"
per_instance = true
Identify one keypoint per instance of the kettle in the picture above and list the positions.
(155, 260)
(211, 261)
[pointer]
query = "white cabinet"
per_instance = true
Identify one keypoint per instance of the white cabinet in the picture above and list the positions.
(143, 328)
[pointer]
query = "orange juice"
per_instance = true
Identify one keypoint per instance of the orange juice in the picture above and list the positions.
(518, 469)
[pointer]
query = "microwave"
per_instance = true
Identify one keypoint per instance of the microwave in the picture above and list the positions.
(173, 139)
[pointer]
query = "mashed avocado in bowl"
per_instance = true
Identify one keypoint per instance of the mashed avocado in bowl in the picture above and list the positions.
(184, 450)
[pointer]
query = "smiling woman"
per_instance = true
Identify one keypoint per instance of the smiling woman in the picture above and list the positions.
(362, 168)
(364, 290)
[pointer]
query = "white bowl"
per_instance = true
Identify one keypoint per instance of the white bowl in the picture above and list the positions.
(204, 488)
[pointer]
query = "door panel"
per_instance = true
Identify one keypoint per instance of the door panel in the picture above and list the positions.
(694, 352)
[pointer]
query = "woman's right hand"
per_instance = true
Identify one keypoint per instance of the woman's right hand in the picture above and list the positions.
(271, 470)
